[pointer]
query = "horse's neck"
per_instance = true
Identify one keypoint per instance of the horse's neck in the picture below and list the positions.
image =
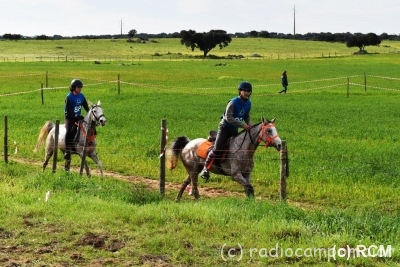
(88, 119)
(88, 123)
(247, 140)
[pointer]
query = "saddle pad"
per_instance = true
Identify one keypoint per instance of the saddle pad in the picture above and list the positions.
(204, 148)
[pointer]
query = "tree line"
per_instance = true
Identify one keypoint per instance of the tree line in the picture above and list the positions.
(322, 36)
(206, 41)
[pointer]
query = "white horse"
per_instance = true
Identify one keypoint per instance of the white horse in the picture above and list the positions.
(238, 162)
(94, 117)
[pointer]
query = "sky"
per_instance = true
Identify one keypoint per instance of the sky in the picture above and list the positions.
(101, 17)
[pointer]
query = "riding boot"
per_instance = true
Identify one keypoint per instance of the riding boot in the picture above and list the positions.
(68, 146)
(207, 166)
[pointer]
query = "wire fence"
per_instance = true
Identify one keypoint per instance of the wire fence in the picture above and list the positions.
(344, 82)
(310, 85)
(179, 56)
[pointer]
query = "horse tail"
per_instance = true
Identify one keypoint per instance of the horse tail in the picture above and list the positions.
(43, 134)
(174, 150)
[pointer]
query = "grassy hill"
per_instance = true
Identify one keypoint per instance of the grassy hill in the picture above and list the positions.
(171, 48)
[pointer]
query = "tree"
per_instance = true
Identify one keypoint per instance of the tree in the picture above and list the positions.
(264, 34)
(362, 40)
(42, 37)
(132, 33)
(253, 33)
(205, 41)
(10, 36)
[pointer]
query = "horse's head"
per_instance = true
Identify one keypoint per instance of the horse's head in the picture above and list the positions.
(96, 114)
(269, 134)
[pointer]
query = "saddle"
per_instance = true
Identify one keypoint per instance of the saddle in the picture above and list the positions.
(205, 147)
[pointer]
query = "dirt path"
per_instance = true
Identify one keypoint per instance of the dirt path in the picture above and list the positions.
(153, 184)
(174, 187)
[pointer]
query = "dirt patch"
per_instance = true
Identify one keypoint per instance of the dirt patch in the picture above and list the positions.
(4, 234)
(100, 242)
(90, 239)
(154, 260)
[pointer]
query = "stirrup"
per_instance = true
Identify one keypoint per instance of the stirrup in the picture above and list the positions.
(205, 175)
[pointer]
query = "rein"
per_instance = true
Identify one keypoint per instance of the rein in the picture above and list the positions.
(92, 137)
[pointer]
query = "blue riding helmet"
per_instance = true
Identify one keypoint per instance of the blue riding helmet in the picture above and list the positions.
(245, 86)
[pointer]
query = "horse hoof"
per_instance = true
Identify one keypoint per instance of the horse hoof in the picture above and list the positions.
(248, 189)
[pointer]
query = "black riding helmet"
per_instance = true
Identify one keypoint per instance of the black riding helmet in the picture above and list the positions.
(75, 83)
(245, 86)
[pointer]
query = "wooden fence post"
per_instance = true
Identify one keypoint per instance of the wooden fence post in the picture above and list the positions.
(119, 84)
(284, 170)
(162, 155)
(88, 134)
(5, 140)
(348, 86)
(365, 82)
(56, 145)
(41, 91)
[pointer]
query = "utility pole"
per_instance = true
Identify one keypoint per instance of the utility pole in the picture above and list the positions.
(294, 22)
(121, 27)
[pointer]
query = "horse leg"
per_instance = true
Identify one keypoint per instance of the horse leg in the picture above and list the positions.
(86, 166)
(248, 189)
(195, 190)
(67, 165)
(94, 157)
(87, 169)
(185, 183)
(245, 182)
(49, 153)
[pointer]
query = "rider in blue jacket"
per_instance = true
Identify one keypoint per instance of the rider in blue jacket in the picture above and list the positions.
(237, 115)
(74, 102)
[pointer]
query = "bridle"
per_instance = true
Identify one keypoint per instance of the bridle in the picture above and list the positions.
(96, 117)
(264, 128)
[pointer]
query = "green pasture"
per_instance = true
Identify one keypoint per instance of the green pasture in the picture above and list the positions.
(171, 49)
(339, 119)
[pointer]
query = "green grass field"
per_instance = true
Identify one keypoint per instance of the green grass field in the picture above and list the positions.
(342, 142)
(171, 49)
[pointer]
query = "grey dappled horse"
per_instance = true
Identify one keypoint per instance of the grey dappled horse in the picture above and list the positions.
(94, 117)
(238, 162)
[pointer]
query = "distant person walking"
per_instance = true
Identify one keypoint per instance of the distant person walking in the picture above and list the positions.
(284, 82)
